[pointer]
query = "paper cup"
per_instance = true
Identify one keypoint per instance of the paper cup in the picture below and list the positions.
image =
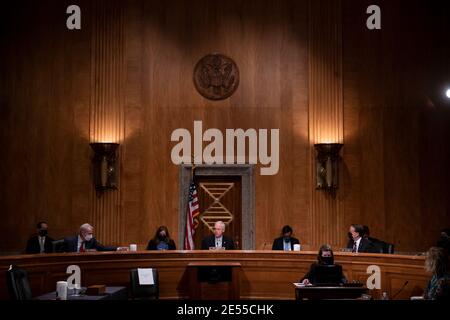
(296, 247)
(133, 247)
(61, 290)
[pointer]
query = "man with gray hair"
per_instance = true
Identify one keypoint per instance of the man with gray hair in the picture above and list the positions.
(85, 241)
(218, 240)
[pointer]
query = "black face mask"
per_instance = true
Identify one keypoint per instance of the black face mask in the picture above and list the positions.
(327, 260)
(162, 236)
(43, 232)
(287, 239)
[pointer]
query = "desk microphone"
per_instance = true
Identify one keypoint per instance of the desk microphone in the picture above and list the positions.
(264, 247)
(401, 289)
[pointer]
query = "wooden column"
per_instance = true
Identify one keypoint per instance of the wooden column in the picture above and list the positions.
(106, 112)
(325, 112)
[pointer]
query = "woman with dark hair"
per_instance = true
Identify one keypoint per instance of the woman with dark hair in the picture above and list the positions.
(161, 240)
(324, 271)
(437, 262)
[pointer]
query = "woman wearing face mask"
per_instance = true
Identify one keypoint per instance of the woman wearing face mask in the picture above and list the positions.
(324, 271)
(161, 240)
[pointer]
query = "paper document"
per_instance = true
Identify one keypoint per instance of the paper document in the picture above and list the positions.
(145, 276)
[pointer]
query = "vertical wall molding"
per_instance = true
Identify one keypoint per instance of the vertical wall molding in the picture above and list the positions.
(325, 112)
(107, 109)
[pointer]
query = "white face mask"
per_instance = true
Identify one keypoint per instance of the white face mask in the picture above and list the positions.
(88, 237)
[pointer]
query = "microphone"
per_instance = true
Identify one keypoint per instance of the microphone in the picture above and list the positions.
(401, 289)
(264, 247)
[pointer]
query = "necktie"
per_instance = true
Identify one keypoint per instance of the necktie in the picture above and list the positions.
(354, 247)
(82, 247)
(42, 244)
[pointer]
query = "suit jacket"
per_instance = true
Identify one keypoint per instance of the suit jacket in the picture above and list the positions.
(210, 241)
(152, 245)
(34, 247)
(365, 245)
(71, 244)
(312, 275)
(278, 243)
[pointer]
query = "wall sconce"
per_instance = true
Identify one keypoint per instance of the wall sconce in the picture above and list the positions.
(327, 175)
(104, 162)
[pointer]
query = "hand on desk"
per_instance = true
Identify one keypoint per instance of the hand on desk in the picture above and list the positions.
(306, 282)
(122, 248)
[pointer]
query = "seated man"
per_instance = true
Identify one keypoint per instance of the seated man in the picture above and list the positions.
(324, 272)
(357, 242)
(85, 241)
(218, 240)
(40, 242)
(286, 241)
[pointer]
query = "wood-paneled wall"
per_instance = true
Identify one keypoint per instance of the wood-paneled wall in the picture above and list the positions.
(396, 121)
(325, 112)
(308, 68)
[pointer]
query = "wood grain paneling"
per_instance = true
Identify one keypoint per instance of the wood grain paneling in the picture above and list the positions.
(45, 97)
(394, 80)
(264, 274)
(325, 112)
(107, 109)
(308, 68)
(272, 94)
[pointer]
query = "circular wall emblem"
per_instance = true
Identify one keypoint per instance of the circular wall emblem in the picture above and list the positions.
(216, 76)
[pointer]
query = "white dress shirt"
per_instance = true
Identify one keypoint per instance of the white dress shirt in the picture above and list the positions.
(357, 244)
(287, 246)
(80, 242)
(41, 243)
(219, 242)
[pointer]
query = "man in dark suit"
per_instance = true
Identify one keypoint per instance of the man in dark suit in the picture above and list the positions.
(85, 241)
(357, 242)
(40, 242)
(218, 240)
(286, 241)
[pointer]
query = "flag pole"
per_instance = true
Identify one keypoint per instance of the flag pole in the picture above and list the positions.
(192, 168)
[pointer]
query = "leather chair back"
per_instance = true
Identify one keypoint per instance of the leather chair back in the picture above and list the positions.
(18, 284)
(141, 292)
(58, 245)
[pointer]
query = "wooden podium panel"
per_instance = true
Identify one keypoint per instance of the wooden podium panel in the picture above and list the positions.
(318, 293)
(261, 274)
(214, 280)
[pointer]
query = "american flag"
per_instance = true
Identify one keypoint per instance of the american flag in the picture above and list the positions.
(191, 218)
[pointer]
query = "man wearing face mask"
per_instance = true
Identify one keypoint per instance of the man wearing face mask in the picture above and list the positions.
(286, 241)
(161, 240)
(325, 271)
(357, 242)
(85, 241)
(41, 242)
